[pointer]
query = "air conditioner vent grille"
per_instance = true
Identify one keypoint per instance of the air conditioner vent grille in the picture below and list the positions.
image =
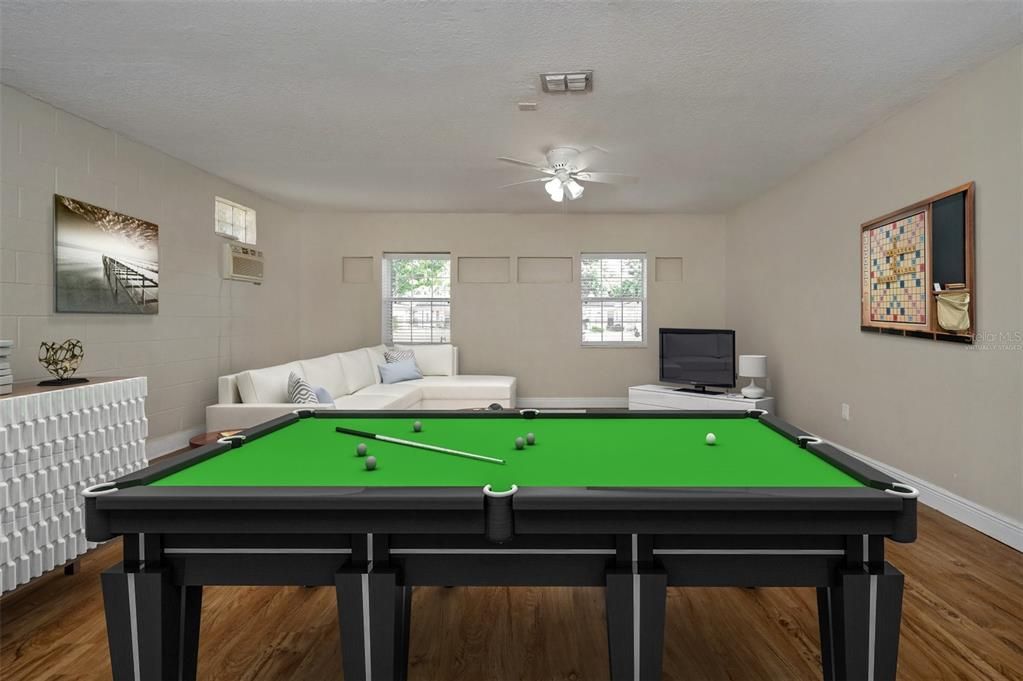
(243, 262)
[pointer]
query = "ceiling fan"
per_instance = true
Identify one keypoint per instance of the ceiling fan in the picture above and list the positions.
(565, 169)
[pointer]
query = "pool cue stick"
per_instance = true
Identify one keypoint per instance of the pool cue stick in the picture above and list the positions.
(417, 445)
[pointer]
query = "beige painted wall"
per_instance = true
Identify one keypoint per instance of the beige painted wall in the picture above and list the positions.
(526, 330)
(946, 413)
(205, 327)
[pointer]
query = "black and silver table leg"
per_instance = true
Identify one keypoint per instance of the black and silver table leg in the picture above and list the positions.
(635, 623)
(374, 613)
(859, 625)
(152, 625)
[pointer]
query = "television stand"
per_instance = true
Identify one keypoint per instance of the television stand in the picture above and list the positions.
(668, 398)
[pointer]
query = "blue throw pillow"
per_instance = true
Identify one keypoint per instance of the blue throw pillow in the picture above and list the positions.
(322, 395)
(396, 372)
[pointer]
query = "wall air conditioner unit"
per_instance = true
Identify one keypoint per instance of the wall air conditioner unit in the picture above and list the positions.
(243, 262)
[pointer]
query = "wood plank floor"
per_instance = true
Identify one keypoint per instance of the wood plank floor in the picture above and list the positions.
(963, 619)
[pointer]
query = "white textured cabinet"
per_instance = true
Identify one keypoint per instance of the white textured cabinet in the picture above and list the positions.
(662, 397)
(53, 444)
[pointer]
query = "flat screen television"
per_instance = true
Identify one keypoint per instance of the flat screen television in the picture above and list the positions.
(702, 358)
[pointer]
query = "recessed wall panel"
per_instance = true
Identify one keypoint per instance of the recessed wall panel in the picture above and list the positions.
(668, 269)
(533, 270)
(484, 270)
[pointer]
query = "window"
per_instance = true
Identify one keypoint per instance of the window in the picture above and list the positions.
(613, 298)
(234, 220)
(417, 298)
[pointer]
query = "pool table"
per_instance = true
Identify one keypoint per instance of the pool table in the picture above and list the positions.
(630, 501)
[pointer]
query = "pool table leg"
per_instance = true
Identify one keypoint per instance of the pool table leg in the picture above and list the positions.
(635, 623)
(374, 613)
(859, 625)
(152, 624)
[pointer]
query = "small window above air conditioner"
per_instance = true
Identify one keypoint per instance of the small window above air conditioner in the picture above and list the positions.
(234, 221)
(243, 262)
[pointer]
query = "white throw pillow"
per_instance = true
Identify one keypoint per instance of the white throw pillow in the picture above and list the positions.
(358, 369)
(326, 371)
(433, 360)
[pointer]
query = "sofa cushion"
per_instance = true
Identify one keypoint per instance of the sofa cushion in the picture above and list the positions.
(323, 395)
(396, 372)
(358, 369)
(260, 386)
(467, 387)
(361, 400)
(403, 395)
(299, 390)
(376, 358)
(433, 360)
(326, 371)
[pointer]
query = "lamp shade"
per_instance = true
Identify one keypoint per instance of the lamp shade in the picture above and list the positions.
(753, 366)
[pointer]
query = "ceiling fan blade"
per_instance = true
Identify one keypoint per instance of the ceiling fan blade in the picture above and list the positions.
(606, 178)
(587, 156)
(546, 171)
(537, 179)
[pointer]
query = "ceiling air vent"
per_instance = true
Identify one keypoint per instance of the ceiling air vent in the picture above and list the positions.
(573, 81)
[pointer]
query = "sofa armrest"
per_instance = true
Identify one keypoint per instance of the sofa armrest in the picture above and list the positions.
(227, 389)
(233, 416)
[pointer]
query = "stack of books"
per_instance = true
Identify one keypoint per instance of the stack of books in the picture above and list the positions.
(6, 380)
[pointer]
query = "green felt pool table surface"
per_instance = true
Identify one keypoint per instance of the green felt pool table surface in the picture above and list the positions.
(569, 452)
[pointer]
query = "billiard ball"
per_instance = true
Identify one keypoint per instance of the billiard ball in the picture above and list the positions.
(519, 443)
(530, 439)
(371, 463)
(361, 449)
(417, 426)
(711, 438)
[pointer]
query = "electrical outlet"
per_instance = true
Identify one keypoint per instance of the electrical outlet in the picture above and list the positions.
(845, 411)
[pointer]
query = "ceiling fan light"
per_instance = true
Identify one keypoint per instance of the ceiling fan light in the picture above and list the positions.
(574, 189)
(555, 189)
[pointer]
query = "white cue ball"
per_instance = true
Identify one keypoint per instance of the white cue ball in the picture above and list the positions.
(530, 439)
(519, 443)
(417, 426)
(361, 449)
(371, 463)
(711, 438)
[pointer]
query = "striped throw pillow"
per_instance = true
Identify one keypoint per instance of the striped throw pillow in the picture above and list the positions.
(393, 356)
(299, 390)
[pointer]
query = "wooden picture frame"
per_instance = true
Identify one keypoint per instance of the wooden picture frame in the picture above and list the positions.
(903, 254)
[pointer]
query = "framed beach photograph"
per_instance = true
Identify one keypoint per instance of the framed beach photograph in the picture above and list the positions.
(104, 261)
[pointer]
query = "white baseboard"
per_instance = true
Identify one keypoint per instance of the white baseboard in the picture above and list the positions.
(571, 403)
(992, 523)
(165, 444)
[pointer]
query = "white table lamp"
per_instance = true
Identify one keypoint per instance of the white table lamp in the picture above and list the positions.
(753, 367)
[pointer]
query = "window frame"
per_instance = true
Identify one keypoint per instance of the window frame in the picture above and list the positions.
(217, 200)
(386, 301)
(644, 307)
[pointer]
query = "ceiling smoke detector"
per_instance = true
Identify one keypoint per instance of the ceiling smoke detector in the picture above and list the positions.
(572, 81)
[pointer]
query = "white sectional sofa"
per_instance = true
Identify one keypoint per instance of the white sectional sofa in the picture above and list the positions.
(352, 379)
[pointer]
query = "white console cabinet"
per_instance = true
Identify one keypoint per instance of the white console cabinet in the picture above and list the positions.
(55, 442)
(662, 397)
